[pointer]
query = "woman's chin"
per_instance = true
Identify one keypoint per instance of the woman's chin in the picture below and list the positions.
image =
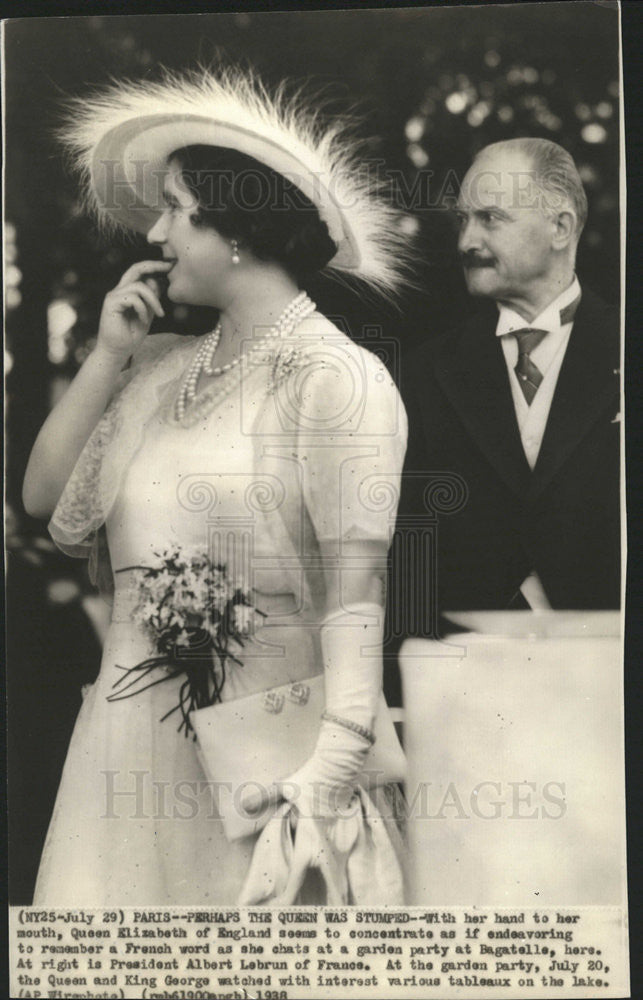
(174, 294)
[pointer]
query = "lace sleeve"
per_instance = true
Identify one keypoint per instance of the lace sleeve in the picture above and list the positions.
(93, 485)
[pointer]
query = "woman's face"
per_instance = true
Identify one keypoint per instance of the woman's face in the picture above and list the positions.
(202, 258)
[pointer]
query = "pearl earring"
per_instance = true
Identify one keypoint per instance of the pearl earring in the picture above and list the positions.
(235, 252)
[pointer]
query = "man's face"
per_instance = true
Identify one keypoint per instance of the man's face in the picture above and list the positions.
(505, 236)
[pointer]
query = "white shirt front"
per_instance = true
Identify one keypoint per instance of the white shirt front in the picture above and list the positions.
(548, 358)
(532, 420)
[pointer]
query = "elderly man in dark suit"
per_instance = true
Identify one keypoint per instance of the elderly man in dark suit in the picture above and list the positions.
(519, 406)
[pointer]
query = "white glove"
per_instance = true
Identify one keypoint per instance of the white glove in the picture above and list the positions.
(351, 645)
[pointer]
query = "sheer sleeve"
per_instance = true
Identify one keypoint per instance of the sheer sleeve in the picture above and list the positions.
(93, 485)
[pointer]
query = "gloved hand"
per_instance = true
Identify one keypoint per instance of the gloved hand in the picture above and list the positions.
(324, 786)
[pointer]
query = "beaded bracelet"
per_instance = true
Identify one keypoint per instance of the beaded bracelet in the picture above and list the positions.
(349, 724)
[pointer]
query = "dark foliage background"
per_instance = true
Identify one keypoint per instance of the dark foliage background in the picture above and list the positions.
(434, 85)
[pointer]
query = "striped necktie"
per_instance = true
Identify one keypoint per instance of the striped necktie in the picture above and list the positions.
(528, 338)
(528, 374)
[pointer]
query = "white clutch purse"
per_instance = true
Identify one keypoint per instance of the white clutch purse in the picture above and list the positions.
(248, 743)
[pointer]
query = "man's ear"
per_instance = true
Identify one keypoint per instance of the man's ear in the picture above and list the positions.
(564, 225)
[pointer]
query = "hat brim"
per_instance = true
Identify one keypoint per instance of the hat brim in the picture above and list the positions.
(130, 162)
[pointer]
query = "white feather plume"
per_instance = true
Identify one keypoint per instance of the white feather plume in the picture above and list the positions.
(326, 149)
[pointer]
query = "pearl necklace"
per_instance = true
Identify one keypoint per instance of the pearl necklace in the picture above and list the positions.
(296, 310)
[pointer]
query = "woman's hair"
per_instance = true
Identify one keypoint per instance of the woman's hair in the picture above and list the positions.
(249, 202)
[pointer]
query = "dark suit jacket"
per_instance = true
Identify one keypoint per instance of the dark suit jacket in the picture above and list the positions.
(563, 518)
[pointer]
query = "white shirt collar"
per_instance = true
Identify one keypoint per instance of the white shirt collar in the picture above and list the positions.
(548, 319)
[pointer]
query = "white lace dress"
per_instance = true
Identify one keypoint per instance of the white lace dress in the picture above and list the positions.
(252, 476)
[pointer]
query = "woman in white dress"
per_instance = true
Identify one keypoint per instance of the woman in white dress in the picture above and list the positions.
(273, 445)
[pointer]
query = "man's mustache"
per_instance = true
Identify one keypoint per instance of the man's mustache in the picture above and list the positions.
(470, 259)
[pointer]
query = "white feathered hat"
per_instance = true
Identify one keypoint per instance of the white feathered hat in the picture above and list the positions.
(121, 138)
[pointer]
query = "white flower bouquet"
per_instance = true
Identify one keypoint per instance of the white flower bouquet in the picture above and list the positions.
(192, 611)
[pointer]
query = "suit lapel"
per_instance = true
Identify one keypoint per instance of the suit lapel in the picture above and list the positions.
(473, 374)
(586, 385)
